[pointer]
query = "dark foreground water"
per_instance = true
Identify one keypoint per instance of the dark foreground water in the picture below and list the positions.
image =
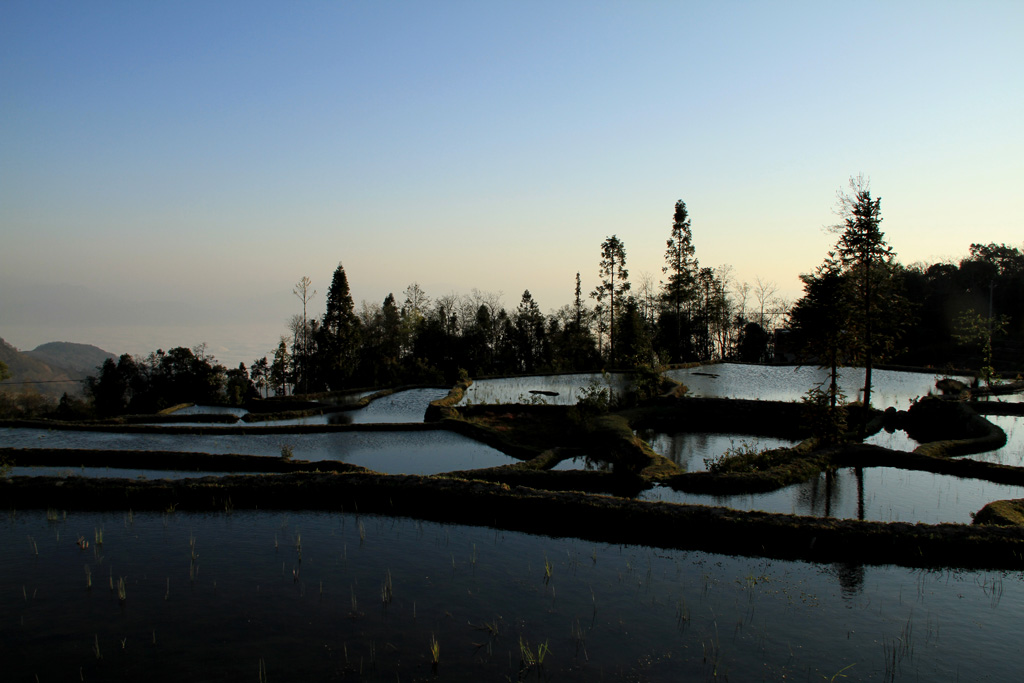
(328, 596)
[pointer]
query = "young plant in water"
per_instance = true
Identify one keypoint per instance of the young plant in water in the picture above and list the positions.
(435, 653)
(528, 659)
(387, 592)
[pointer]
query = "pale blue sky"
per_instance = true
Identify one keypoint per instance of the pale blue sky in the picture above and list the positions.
(189, 162)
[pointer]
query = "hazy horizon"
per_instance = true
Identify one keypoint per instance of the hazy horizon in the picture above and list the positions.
(170, 171)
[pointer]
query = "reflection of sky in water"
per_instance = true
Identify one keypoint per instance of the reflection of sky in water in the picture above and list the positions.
(790, 383)
(890, 495)
(211, 410)
(753, 613)
(402, 406)
(689, 450)
(111, 472)
(1013, 452)
(418, 452)
(517, 389)
(894, 441)
(582, 462)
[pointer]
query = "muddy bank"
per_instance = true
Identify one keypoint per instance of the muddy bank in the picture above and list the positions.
(599, 518)
(867, 455)
(997, 408)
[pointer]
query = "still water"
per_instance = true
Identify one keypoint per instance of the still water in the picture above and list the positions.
(880, 494)
(790, 383)
(568, 388)
(318, 596)
(691, 450)
(415, 452)
(1013, 452)
(113, 473)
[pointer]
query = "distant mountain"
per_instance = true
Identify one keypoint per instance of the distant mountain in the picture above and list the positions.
(51, 369)
(75, 358)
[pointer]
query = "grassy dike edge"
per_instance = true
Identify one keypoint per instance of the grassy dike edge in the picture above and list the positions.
(569, 514)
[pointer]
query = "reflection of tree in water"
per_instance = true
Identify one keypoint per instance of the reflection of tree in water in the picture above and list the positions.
(850, 577)
(682, 448)
(820, 496)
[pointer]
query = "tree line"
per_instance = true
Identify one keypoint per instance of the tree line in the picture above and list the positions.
(859, 306)
(697, 313)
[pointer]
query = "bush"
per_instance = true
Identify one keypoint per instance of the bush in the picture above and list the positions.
(825, 423)
(746, 457)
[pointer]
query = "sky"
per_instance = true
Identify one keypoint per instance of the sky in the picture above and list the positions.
(170, 170)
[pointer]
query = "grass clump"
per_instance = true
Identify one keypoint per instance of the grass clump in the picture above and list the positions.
(1001, 513)
(435, 652)
(744, 458)
(530, 659)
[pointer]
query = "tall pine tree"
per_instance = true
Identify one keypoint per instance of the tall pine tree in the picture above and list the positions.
(340, 331)
(614, 285)
(680, 289)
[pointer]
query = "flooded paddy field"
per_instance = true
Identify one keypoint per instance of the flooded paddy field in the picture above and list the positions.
(1012, 453)
(880, 494)
(561, 390)
(690, 451)
(115, 472)
(390, 452)
(404, 406)
(324, 596)
(893, 388)
(327, 595)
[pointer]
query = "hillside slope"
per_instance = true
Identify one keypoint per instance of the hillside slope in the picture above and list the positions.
(51, 369)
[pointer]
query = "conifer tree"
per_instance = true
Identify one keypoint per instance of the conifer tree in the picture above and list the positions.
(340, 331)
(681, 268)
(614, 285)
(867, 258)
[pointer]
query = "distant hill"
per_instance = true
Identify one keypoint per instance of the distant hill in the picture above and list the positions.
(51, 369)
(79, 358)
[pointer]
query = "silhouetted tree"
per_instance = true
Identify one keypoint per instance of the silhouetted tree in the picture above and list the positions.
(752, 344)
(238, 388)
(864, 254)
(681, 267)
(634, 340)
(614, 286)
(305, 292)
(279, 369)
(820, 321)
(340, 332)
(259, 372)
(529, 337)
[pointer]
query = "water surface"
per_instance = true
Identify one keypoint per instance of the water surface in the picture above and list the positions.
(691, 450)
(790, 383)
(568, 388)
(880, 494)
(301, 596)
(415, 452)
